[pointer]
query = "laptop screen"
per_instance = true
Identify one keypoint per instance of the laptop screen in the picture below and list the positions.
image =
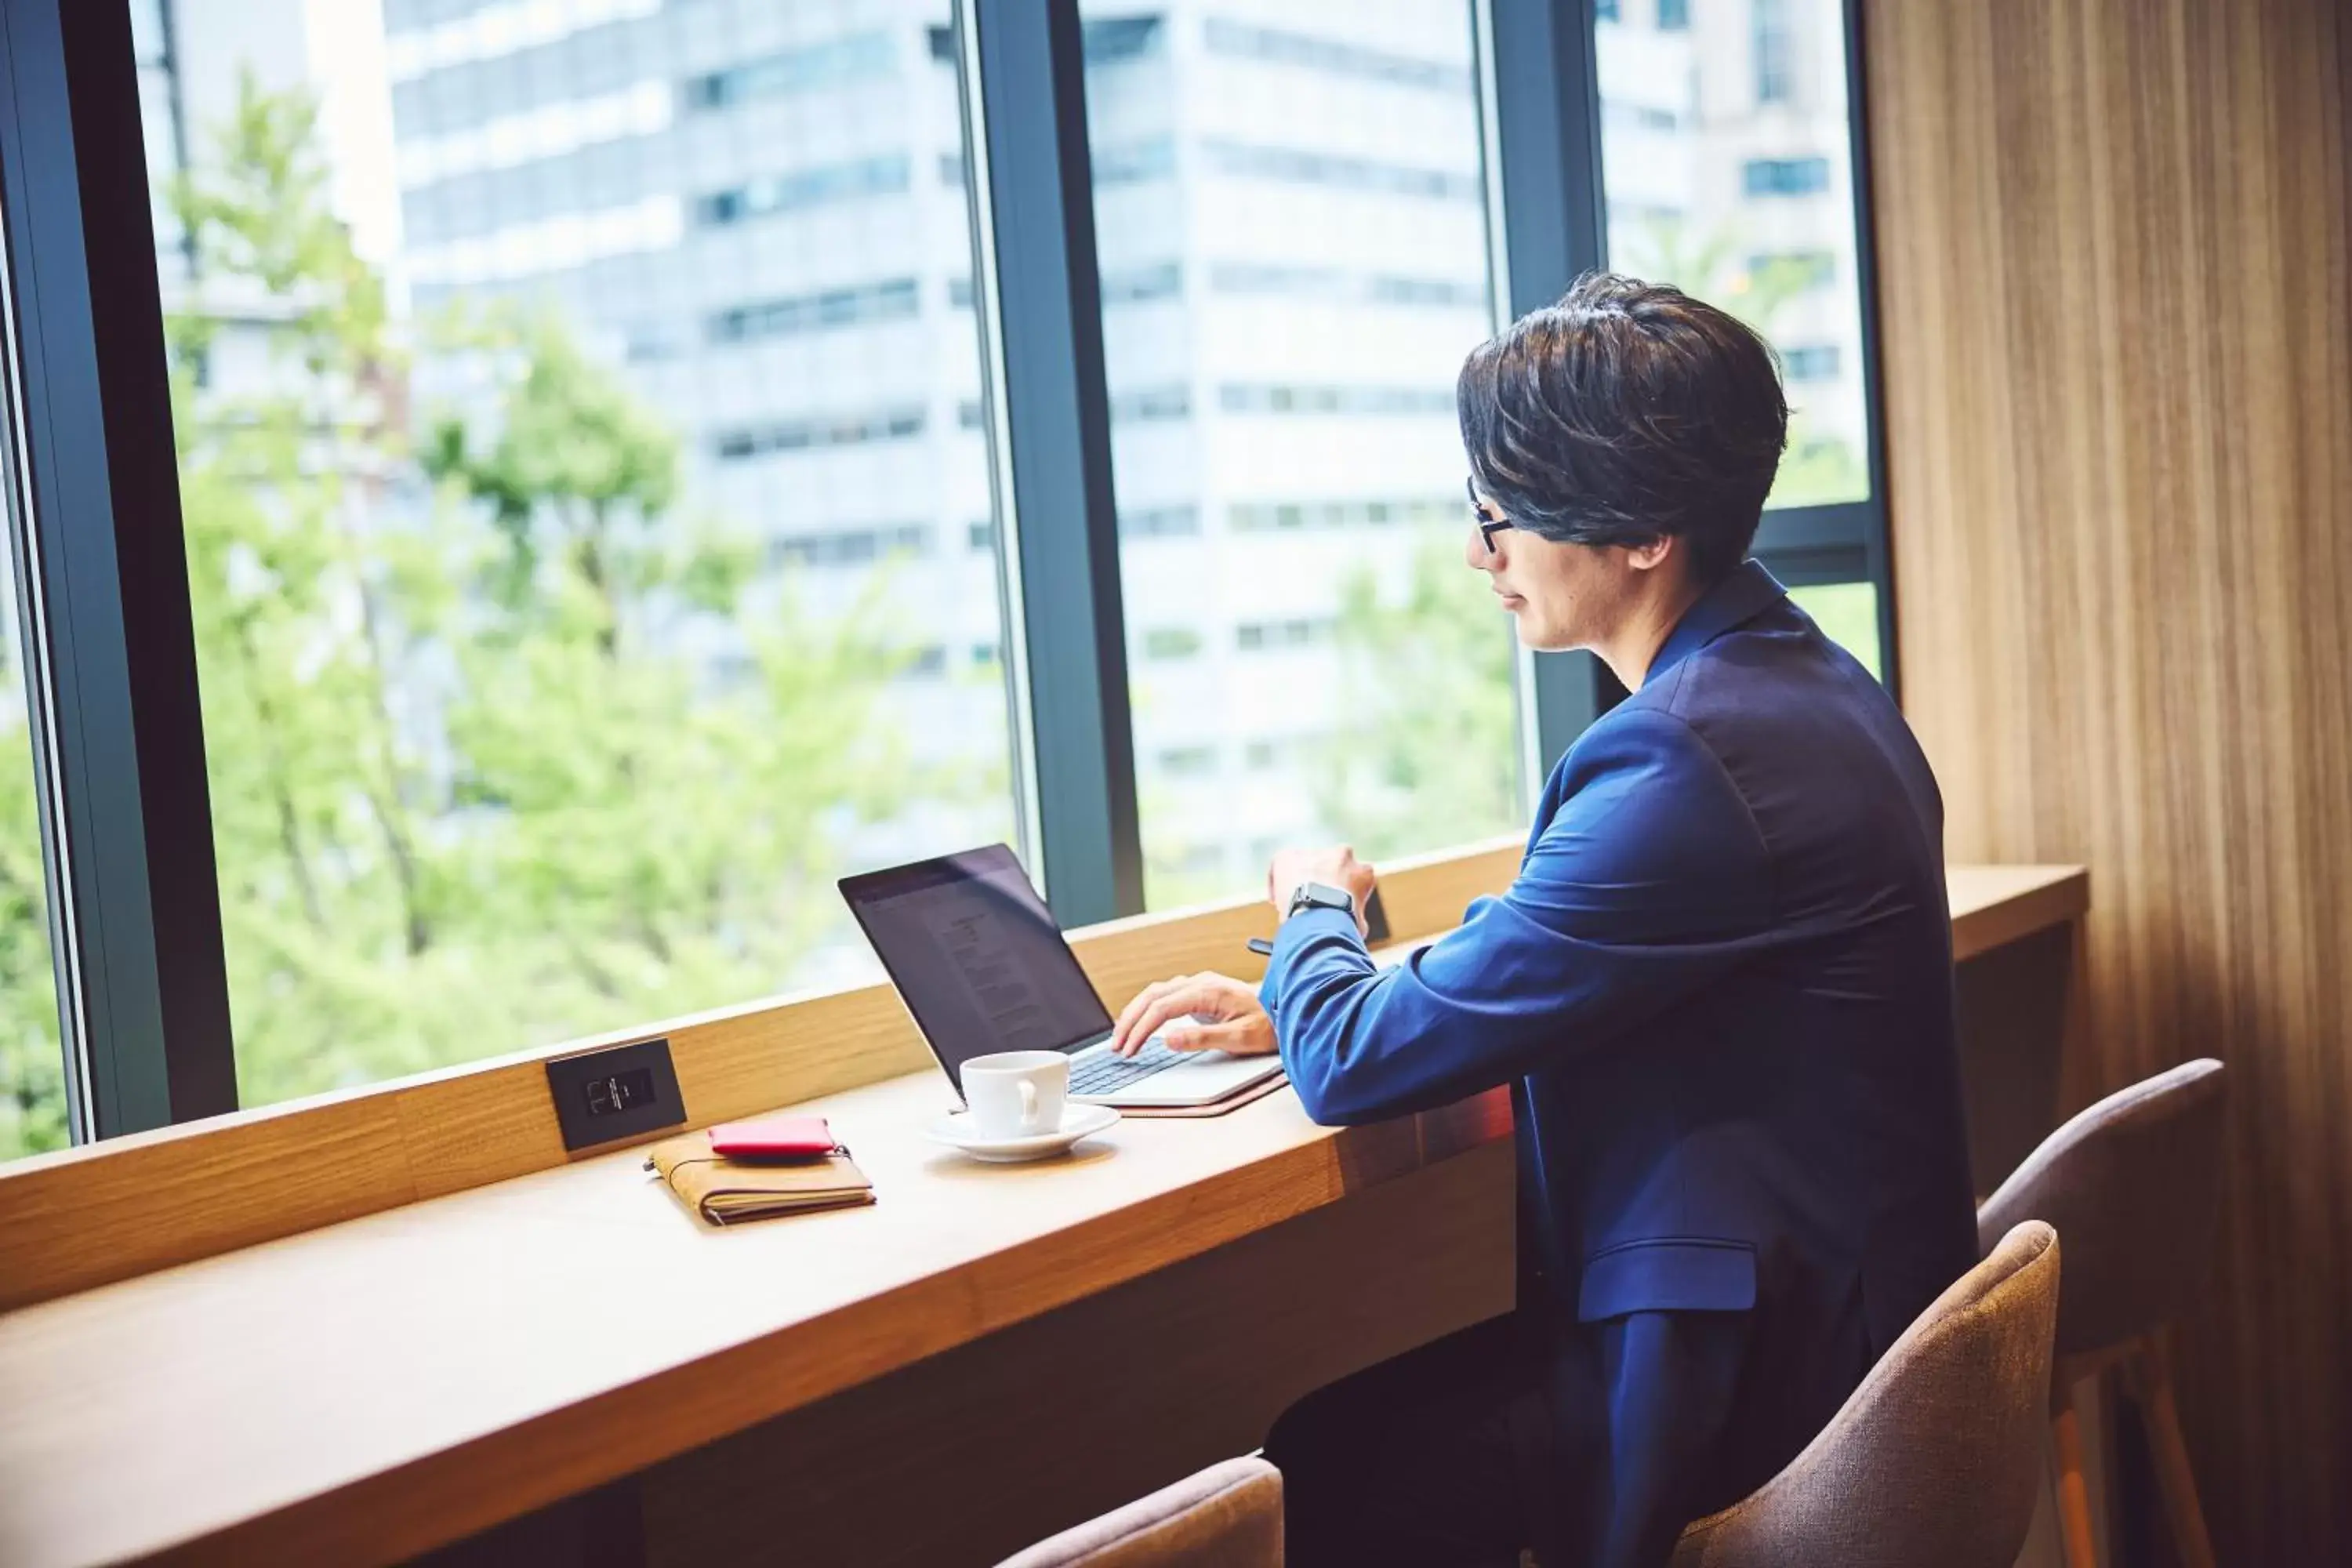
(977, 957)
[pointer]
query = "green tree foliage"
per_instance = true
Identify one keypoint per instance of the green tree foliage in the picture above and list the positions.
(1847, 613)
(1707, 265)
(504, 744)
(32, 1067)
(1817, 468)
(1426, 755)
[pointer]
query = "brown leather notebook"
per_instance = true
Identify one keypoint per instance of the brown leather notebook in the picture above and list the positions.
(722, 1192)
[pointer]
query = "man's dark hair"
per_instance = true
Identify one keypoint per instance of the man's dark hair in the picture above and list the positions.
(1627, 412)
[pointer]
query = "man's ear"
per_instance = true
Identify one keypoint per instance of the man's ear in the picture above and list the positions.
(1655, 553)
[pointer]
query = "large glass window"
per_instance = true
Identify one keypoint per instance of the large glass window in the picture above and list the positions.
(1726, 159)
(586, 467)
(1847, 613)
(586, 500)
(33, 1115)
(1291, 212)
(1726, 155)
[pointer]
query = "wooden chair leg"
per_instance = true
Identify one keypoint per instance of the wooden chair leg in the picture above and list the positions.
(2074, 1496)
(2149, 1368)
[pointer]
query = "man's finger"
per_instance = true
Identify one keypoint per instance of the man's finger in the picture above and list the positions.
(1161, 1012)
(1125, 1029)
(1167, 999)
(1136, 1005)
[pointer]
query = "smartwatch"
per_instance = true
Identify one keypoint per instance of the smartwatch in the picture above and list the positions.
(1321, 896)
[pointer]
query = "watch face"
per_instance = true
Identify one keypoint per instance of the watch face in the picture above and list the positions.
(1322, 896)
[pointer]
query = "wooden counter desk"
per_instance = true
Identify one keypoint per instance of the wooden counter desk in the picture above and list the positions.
(374, 1388)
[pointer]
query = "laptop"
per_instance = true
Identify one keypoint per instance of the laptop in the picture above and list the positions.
(978, 961)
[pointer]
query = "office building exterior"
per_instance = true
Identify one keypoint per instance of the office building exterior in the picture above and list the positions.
(757, 215)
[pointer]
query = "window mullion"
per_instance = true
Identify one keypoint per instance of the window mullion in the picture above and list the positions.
(1547, 137)
(97, 508)
(1060, 532)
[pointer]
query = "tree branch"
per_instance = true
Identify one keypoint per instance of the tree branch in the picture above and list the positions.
(289, 824)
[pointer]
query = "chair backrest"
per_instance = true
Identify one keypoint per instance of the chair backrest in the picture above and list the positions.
(2132, 1186)
(1936, 1459)
(1228, 1516)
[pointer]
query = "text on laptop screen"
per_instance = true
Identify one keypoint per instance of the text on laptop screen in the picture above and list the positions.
(975, 954)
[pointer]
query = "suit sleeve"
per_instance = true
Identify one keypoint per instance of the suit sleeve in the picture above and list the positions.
(1650, 882)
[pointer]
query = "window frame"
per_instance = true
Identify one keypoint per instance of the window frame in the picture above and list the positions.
(1029, 180)
(94, 524)
(95, 521)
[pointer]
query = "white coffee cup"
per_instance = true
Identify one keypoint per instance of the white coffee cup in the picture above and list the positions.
(1016, 1094)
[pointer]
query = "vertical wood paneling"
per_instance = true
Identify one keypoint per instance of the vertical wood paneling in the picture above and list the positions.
(2116, 262)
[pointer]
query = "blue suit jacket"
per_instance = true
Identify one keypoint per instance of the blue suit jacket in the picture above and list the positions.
(1721, 992)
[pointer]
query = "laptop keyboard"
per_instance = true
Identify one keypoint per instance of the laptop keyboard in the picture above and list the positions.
(1102, 1072)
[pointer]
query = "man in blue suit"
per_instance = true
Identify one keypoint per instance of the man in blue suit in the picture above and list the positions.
(1720, 991)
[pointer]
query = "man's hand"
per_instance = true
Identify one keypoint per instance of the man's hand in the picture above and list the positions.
(1225, 1012)
(1335, 868)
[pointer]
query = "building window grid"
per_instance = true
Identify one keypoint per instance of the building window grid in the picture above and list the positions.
(1338, 286)
(1241, 40)
(836, 62)
(1289, 632)
(1152, 403)
(1114, 40)
(1161, 280)
(1775, 52)
(1296, 166)
(1250, 397)
(1150, 159)
(1160, 523)
(1785, 176)
(804, 188)
(929, 662)
(1297, 516)
(821, 432)
(897, 298)
(851, 547)
(1810, 362)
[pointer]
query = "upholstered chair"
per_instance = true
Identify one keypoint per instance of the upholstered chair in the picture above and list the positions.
(1228, 1516)
(2132, 1185)
(1935, 1461)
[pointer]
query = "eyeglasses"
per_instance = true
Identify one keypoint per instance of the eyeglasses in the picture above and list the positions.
(1487, 526)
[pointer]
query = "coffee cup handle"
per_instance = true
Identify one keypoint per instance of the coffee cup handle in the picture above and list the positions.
(1028, 1105)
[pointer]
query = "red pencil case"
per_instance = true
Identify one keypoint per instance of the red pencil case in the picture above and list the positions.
(775, 1138)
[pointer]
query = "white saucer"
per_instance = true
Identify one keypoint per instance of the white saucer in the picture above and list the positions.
(1078, 1122)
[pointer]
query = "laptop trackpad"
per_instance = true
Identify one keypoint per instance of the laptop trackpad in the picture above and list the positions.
(1209, 1076)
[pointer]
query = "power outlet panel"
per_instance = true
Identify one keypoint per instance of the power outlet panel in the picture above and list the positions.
(615, 1093)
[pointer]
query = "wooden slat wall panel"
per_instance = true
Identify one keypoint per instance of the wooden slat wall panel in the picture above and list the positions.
(2115, 243)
